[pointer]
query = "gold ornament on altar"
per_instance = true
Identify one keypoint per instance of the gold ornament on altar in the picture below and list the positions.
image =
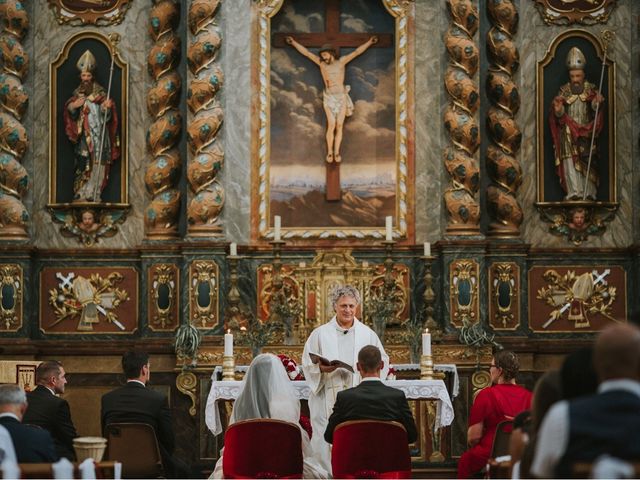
(87, 299)
(579, 296)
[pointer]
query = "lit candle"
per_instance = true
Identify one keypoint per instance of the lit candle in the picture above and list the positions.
(388, 225)
(233, 249)
(427, 249)
(426, 342)
(277, 224)
(228, 344)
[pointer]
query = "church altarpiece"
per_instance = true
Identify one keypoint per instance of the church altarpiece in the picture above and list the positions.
(88, 197)
(371, 177)
(84, 298)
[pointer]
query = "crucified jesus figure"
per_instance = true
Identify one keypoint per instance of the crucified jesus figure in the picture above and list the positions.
(335, 98)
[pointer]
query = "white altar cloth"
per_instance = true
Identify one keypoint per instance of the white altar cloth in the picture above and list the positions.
(413, 390)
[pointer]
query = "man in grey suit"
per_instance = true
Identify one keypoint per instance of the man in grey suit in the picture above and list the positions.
(372, 399)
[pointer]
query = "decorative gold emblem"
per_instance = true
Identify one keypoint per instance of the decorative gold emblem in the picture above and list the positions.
(10, 297)
(87, 299)
(89, 12)
(504, 286)
(579, 297)
(566, 12)
(464, 292)
(163, 297)
(203, 292)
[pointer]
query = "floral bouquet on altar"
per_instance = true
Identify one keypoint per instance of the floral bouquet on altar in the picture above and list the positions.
(391, 375)
(292, 368)
(295, 373)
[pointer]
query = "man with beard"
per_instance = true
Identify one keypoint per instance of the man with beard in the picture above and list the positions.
(571, 121)
(335, 98)
(49, 411)
(91, 124)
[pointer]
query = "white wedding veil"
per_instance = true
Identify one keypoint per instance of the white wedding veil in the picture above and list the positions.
(266, 392)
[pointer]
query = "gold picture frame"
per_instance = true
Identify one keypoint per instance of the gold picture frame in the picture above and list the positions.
(403, 217)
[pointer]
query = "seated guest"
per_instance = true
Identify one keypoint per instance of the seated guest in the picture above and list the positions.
(49, 411)
(578, 375)
(7, 452)
(268, 393)
(371, 399)
(607, 422)
(503, 400)
(32, 444)
(547, 391)
(135, 403)
(519, 440)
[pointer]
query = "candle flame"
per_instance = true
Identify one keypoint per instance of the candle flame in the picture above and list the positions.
(426, 330)
(228, 330)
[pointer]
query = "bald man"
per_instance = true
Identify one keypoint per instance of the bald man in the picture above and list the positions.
(608, 422)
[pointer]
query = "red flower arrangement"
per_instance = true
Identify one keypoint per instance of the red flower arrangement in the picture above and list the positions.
(294, 372)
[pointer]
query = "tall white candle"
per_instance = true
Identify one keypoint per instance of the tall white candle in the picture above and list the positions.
(228, 344)
(426, 342)
(233, 249)
(427, 249)
(277, 224)
(388, 223)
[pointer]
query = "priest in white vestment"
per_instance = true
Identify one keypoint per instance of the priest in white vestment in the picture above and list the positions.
(339, 339)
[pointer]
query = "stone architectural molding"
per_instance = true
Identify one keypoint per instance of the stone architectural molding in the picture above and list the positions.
(460, 119)
(14, 180)
(163, 168)
(505, 136)
(205, 120)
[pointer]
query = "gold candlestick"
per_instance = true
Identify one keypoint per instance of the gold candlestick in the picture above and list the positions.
(228, 368)
(426, 367)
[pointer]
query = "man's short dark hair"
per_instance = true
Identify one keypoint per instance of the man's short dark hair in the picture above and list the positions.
(132, 363)
(46, 370)
(369, 358)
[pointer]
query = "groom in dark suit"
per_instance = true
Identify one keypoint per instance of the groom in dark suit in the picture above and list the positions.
(49, 411)
(135, 403)
(372, 399)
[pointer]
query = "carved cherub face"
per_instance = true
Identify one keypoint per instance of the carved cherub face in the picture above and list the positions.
(578, 219)
(88, 219)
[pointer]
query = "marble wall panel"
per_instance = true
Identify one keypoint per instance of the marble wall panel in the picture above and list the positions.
(533, 39)
(235, 59)
(430, 63)
(47, 39)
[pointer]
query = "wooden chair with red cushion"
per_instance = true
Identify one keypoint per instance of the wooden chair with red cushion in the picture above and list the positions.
(370, 449)
(262, 448)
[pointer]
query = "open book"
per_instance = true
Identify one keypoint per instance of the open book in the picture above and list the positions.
(315, 358)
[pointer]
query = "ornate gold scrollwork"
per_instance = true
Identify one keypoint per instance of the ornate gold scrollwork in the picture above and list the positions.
(464, 292)
(290, 302)
(163, 296)
(11, 297)
(562, 12)
(187, 383)
(203, 292)
(504, 287)
(479, 380)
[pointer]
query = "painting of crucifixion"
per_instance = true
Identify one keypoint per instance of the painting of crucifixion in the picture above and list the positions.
(333, 160)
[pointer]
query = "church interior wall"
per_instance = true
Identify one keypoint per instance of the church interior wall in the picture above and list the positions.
(93, 358)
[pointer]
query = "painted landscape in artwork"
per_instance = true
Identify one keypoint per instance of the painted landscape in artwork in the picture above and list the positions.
(297, 169)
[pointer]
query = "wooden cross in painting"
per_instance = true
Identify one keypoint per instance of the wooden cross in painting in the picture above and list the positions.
(336, 102)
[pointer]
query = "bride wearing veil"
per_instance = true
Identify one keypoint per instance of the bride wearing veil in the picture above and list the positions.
(267, 393)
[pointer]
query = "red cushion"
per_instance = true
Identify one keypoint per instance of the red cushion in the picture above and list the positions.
(251, 452)
(363, 448)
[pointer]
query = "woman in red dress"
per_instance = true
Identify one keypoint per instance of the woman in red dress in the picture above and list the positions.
(503, 400)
